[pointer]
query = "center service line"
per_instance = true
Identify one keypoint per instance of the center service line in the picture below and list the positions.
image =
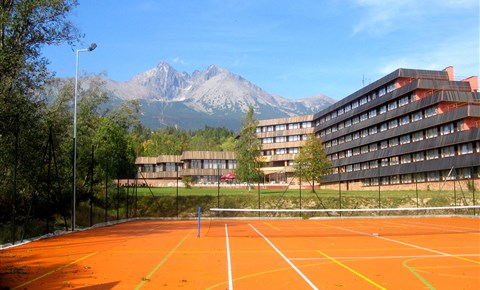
(230, 281)
(285, 258)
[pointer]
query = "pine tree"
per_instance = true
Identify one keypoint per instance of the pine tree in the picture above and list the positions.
(311, 163)
(247, 151)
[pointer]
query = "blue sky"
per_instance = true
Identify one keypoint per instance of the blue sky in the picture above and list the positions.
(294, 49)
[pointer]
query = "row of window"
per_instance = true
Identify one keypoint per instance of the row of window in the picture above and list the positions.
(282, 139)
(444, 175)
(211, 164)
(192, 164)
(444, 152)
(283, 127)
(362, 101)
(290, 150)
(402, 120)
(392, 142)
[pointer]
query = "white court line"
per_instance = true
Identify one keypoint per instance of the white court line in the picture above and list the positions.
(285, 258)
(230, 281)
(379, 257)
(445, 229)
(399, 242)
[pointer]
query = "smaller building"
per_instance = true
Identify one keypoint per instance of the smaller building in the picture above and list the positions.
(203, 167)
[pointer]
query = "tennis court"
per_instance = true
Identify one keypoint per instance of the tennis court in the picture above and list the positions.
(256, 253)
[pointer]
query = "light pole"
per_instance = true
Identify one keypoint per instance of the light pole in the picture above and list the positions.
(90, 48)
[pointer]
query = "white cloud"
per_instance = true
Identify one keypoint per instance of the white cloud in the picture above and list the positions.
(179, 60)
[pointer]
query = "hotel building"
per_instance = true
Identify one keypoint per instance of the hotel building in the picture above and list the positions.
(411, 128)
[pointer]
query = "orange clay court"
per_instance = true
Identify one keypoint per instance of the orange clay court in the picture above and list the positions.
(348, 253)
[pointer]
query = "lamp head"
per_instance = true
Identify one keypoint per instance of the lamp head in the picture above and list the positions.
(92, 46)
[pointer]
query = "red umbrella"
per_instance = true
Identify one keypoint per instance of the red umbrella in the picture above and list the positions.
(229, 175)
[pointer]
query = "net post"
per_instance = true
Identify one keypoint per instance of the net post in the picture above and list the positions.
(198, 223)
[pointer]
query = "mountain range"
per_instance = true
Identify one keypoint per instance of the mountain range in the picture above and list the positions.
(214, 97)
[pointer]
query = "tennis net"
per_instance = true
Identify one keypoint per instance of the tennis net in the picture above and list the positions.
(328, 222)
(473, 210)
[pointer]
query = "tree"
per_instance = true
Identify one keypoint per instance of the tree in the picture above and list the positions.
(247, 151)
(311, 163)
(25, 27)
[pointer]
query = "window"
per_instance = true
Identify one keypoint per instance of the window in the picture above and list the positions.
(293, 126)
(382, 92)
(356, 167)
(432, 154)
(393, 124)
(405, 159)
(372, 113)
(384, 144)
(364, 133)
(392, 105)
(394, 179)
(356, 151)
(349, 153)
(465, 149)
(348, 123)
(348, 138)
(356, 135)
(446, 129)
(348, 108)
(448, 151)
(418, 156)
(364, 149)
(406, 178)
(270, 129)
(196, 164)
(170, 166)
(404, 120)
(355, 120)
(403, 101)
(384, 162)
(394, 160)
(405, 139)
(365, 166)
(383, 109)
(280, 139)
(281, 151)
(293, 138)
(355, 104)
(430, 111)
(280, 127)
(372, 147)
(363, 117)
(383, 127)
(433, 176)
(341, 125)
(306, 124)
(417, 136)
(341, 111)
(372, 130)
(363, 101)
(267, 140)
(374, 164)
(293, 150)
(390, 87)
(393, 142)
(431, 133)
(417, 116)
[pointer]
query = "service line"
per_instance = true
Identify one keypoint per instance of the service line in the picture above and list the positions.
(285, 258)
(230, 281)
